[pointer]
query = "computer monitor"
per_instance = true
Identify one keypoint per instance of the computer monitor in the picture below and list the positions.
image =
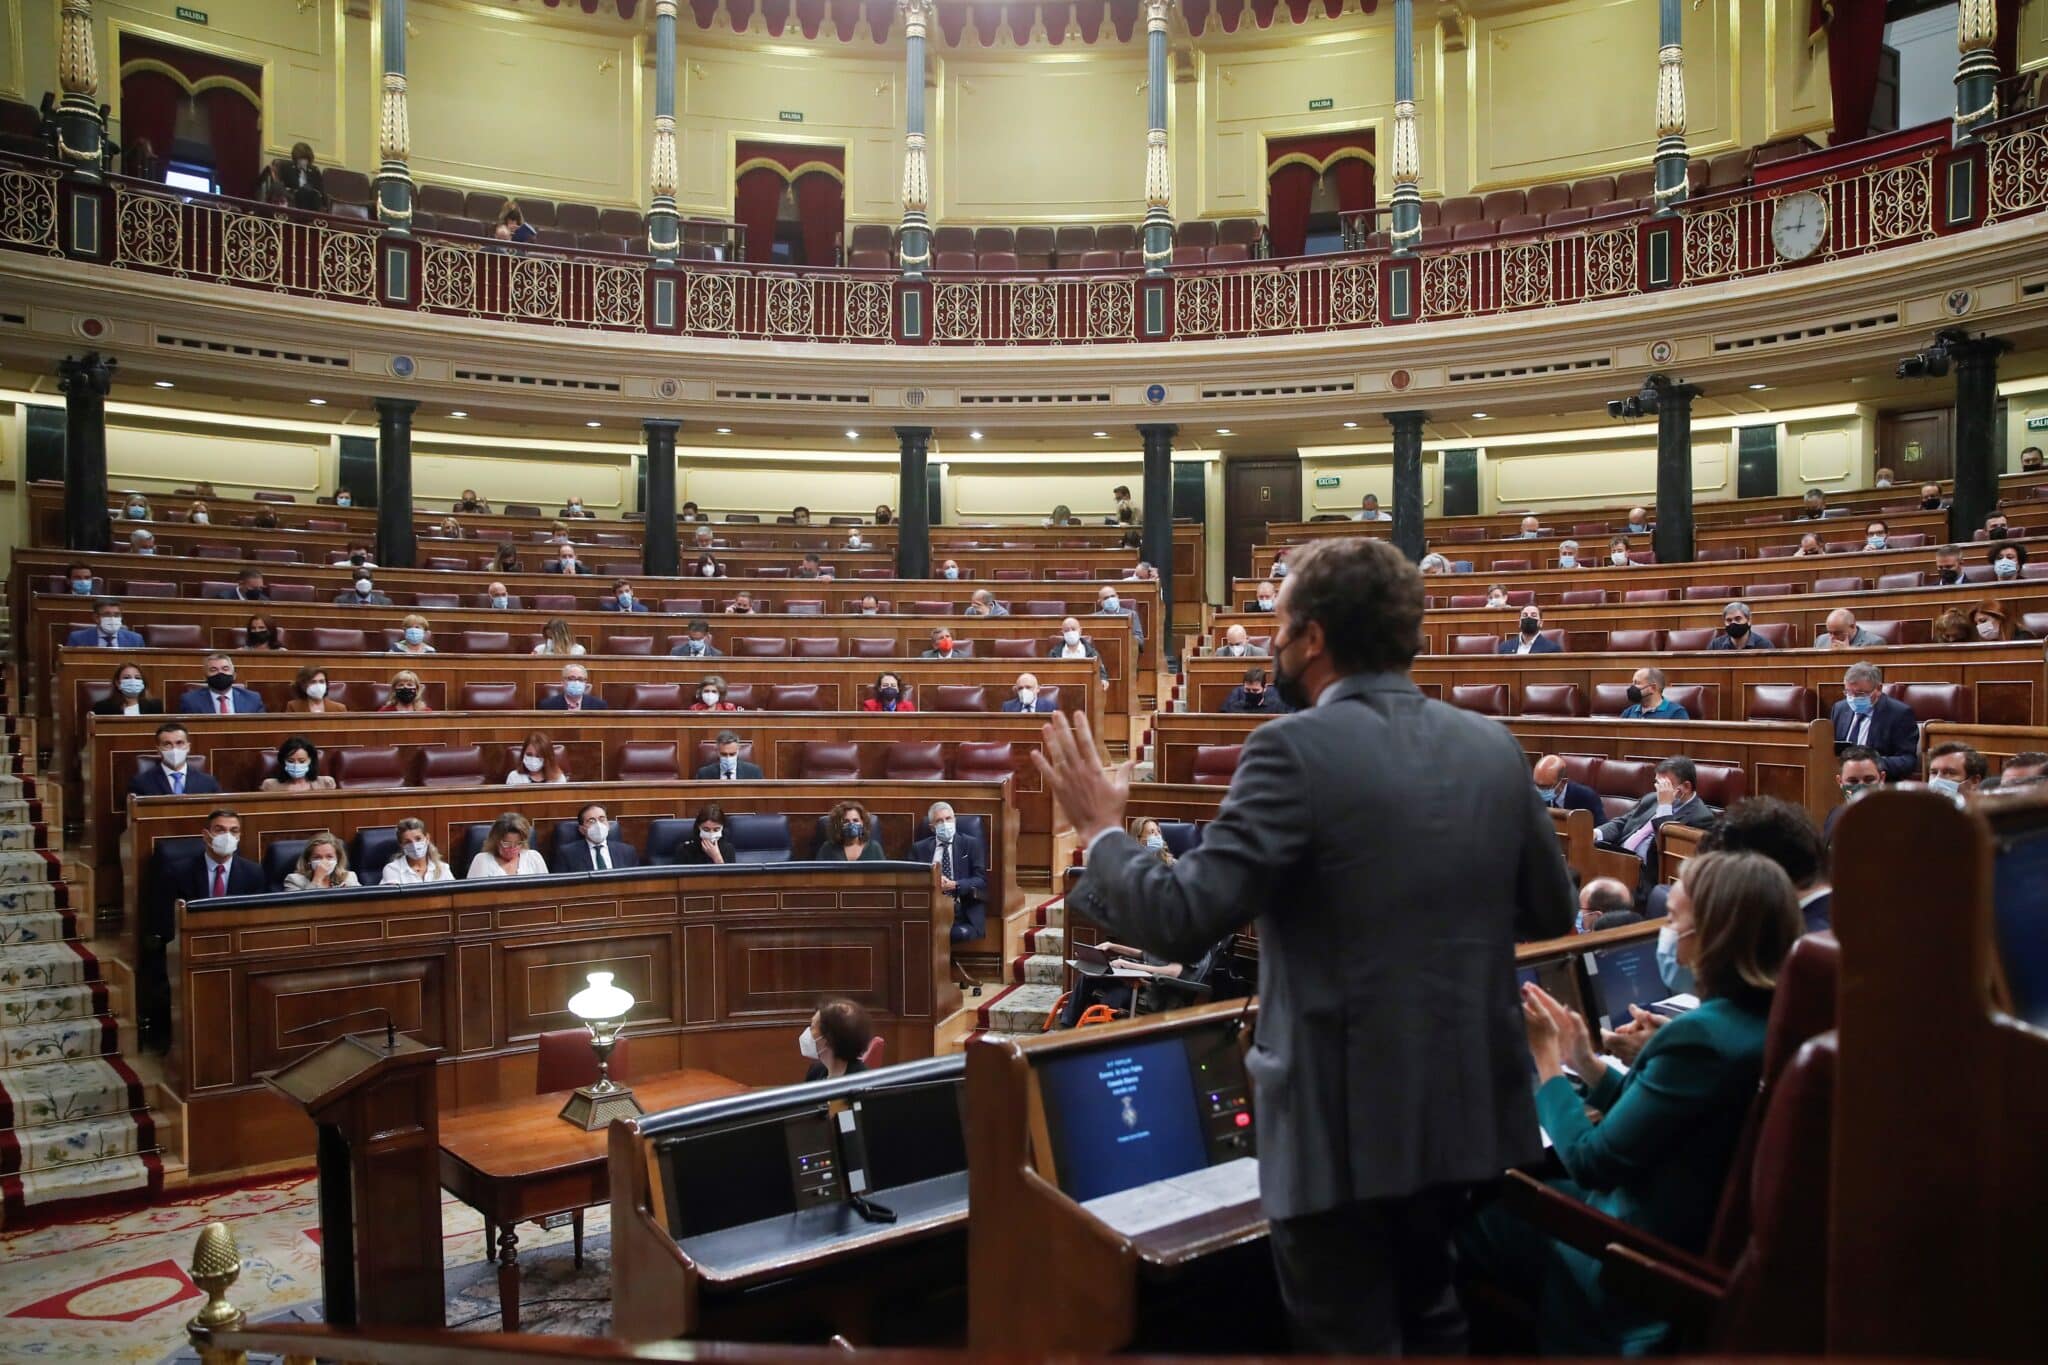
(1625, 975)
(187, 175)
(724, 1177)
(1128, 1114)
(2019, 901)
(911, 1133)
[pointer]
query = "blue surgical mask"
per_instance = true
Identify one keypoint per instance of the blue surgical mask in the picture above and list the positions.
(625, 597)
(728, 764)
(1110, 603)
(131, 687)
(2006, 568)
(1945, 784)
(575, 687)
(855, 830)
(1567, 561)
(296, 768)
(1676, 975)
(415, 635)
(342, 500)
(82, 586)
(952, 571)
(136, 511)
(1155, 842)
(944, 831)
(1875, 542)
(500, 603)
(1860, 705)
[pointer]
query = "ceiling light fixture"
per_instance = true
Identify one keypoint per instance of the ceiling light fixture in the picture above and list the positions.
(165, 384)
(852, 435)
(1224, 431)
(458, 413)
(725, 431)
(1758, 388)
(1351, 426)
(1479, 416)
(1100, 435)
(593, 424)
(317, 402)
(974, 436)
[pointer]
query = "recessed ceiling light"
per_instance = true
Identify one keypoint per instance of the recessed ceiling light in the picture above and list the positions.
(974, 436)
(1479, 417)
(1351, 426)
(165, 384)
(317, 402)
(1100, 435)
(1223, 431)
(725, 431)
(593, 424)
(458, 413)
(852, 435)
(1759, 387)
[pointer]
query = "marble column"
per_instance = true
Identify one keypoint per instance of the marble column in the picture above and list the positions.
(1157, 537)
(1408, 529)
(662, 222)
(914, 239)
(1407, 215)
(85, 380)
(659, 553)
(1976, 486)
(913, 504)
(394, 135)
(397, 547)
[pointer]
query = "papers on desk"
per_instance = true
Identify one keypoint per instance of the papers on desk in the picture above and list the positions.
(1178, 1198)
(1118, 966)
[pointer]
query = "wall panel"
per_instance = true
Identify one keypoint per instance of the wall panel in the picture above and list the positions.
(1040, 140)
(158, 459)
(725, 95)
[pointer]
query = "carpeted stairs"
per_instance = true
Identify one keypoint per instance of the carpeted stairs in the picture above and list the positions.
(1036, 978)
(75, 1129)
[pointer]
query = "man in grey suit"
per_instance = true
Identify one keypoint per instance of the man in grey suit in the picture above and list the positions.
(1392, 850)
(1674, 796)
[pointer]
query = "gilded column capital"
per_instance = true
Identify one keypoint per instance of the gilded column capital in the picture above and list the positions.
(1155, 15)
(1407, 145)
(664, 9)
(916, 17)
(915, 192)
(661, 174)
(78, 67)
(1670, 90)
(1976, 25)
(1158, 175)
(394, 133)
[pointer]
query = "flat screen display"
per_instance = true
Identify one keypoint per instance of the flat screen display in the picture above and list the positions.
(181, 176)
(912, 1133)
(2019, 901)
(1122, 1116)
(1627, 976)
(742, 1174)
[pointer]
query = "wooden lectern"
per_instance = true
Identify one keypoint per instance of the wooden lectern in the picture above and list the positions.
(379, 1141)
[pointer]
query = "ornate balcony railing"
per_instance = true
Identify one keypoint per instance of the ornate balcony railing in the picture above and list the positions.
(1891, 197)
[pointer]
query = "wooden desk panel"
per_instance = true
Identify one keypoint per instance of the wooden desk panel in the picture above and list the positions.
(483, 968)
(1996, 742)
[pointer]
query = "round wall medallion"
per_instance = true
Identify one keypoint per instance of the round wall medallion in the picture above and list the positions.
(1155, 393)
(1661, 352)
(94, 328)
(1399, 380)
(403, 366)
(1959, 302)
(668, 388)
(913, 398)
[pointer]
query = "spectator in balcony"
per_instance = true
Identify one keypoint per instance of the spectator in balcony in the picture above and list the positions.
(470, 504)
(800, 515)
(1997, 526)
(566, 562)
(418, 860)
(309, 694)
(2008, 562)
(949, 569)
(727, 765)
(1866, 716)
(414, 640)
(889, 695)
(623, 599)
(323, 866)
(1948, 565)
(1930, 498)
(1646, 699)
(1107, 603)
(1991, 619)
(1073, 645)
(1496, 596)
(1953, 627)
(172, 775)
(538, 763)
(1027, 697)
(1434, 564)
(498, 597)
(1237, 644)
(1254, 696)
(129, 695)
(1674, 796)
(706, 847)
(1884, 476)
(107, 630)
(1568, 554)
(555, 639)
(2030, 460)
(1528, 637)
(507, 850)
(850, 836)
(513, 227)
(298, 769)
(362, 593)
(2021, 770)
(1842, 632)
(943, 645)
(696, 644)
(983, 603)
(576, 694)
(706, 565)
(713, 695)
(220, 696)
(1369, 509)
(1877, 535)
(883, 516)
(1957, 769)
(1736, 631)
(407, 694)
(1531, 529)
(742, 604)
(138, 508)
(507, 560)
(142, 541)
(1560, 791)
(297, 183)
(1638, 521)
(1263, 596)
(221, 871)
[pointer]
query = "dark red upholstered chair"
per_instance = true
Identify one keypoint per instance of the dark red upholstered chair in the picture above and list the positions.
(1509, 564)
(1552, 699)
(217, 552)
(1583, 597)
(1825, 585)
(829, 760)
(1689, 637)
(759, 646)
(1229, 253)
(1639, 183)
(1582, 768)
(458, 563)
(267, 555)
(2035, 623)
(1609, 699)
(684, 606)
(1936, 700)
(552, 601)
(1474, 644)
(814, 647)
(1636, 641)
(628, 644)
(914, 761)
(746, 696)
(1215, 764)
(366, 765)
(871, 647)
(437, 599)
(1463, 601)
(1097, 260)
(803, 606)
(1891, 582)
(1621, 782)
(1891, 632)
(1779, 701)
(1581, 641)
(1915, 540)
(487, 696)
(1522, 597)
(1776, 589)
(1776, 551)
(647, 760)
(169, 635)
(291, 592)
(1708, 592)
(1549, 198)
(1720, 553)
(1721, 785)
(1488, 699)
(957, 697)
(461, 765)
(1041, 606)
(1014, 649)
(1701, 703)
(1647, 595)
(984, 760)
(1779, 633)
(1190, 255)
(653, 697)
(339, 640)
(795, 697)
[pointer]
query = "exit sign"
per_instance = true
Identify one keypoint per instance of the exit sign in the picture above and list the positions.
(1316, 106)
(792, 116)
(1328, 481)
(191, 16)
(2037, 424)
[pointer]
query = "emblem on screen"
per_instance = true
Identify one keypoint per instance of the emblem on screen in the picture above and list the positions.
(1130, 1112)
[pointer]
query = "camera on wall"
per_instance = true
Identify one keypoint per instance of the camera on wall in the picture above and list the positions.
(1933, 362)
(1644, 402)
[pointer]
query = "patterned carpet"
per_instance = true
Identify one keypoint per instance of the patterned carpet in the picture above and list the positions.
(114, 1289)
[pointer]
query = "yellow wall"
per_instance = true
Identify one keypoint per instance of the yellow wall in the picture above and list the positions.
(2033, 40)
(1036, 137)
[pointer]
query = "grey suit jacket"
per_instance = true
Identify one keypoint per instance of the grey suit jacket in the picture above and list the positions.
(1694, 812)
(1392, 850)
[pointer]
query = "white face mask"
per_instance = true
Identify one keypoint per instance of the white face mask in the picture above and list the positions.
(597, 831)
(710, 695)
(110, 625)
(1987, 629)
(1028, 696)
(362, 587)
(174, 757)
(710, 836)
(1155, 842)
(807, 1043)
(416, 849)
(1110, 603)
(316, 691)
(533, 763)
(1265, 604)
(225, 844)
(1619, 557)
(710, 571)
(952, 571)
(199, 518)
(323, 867)
(1567, 561)
(1072, 637)
(1884, 483)
(1945, 784)
(728, 764)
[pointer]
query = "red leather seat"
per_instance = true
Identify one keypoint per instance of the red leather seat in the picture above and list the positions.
(683, 606)
(485, 642)
(1582, 768)
(1778, 633)
(1721, 785)
(1510, 564)
(1701, 703)
(1636, 641)
(1891, 632)
(1689, 637)
(1824, 585)
(1216, 764)
(1552, 699)
(1499, 204)
(1474, 644)
(1708, 592)
(267, 555)
(169, 635)
(486, 696)
(458, 766)
(1625, 779)
(871, 647)
(930, 608)
(1779, 701)
(981, 760)
(1609, 699)
(1647, 595)
(829, 760)
(759, 646)
(628, 644)
(291, 592)
(339, 640)
(1549, 198)
(647, 760)
(367, 765)
(1890, 582)
(654, 697)
(1916, 540)
(913, 761)
(1039, 606)
(1465, 601)
(457, 563)
(795, 697)
(814, 647)
(437, 599)
(552, 601)
(1776, 589)
(1488, 699)
(1936, 700)
(1583, 597)
(1592, 191)
(1720, 553)
(803, 606)
(1014, 649)
(566, 1061)
(956, 697)
(743, 695)
(1581, 641)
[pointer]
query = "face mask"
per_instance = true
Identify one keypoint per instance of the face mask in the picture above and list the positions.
(1998, 532)
(323, 867)
(1552, 795)
(1635, 695)
(296, 768)
(199, 518)
(807, 1044)
(130, 687)
(82, 586)
(568, 561)
(1264, 604)
(575, 688)
(1530, 625)
(886, 695)
(1950, 577)
(261, 638)
(1875, 542)
(110, 625)
(1852, 790)
(1292, 693)
(575, 509)
(1945, 784)
(316, 691)
(174, 757)
(136, 511)
(1930, 504)
(1255, 695)
(357, 558)
(709, 570)
(728, 764)
(1155, 842)
(944, 831)
(225, 844)
(1619, 557)
(597, 831)
(416, 849)
(362, 587)
(710, 696)
(405, 696)
(1499, 601)
(1884, 483)
(1072, 637)
(1860, 705)
(1737, 629)
(2006, 568)
(853, 542)
(625, 597)
(415, 635)
(533, 763)
(945, 642)
(1676, 975)
(855, 831)
(1280, 569)
(1567, 561)
(1028, 696)
(1987, 629)
(220, 682)
(1110, 603)
(342, 500)
(952, 571)
(145, 549)
(710, 836)
(869, 611)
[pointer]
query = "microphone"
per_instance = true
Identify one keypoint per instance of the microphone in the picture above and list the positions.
(390, 1029)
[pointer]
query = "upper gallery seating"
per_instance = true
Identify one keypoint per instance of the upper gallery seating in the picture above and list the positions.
(1109, 246)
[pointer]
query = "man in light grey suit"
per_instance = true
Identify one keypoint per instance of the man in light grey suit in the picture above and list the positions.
(1392, 850)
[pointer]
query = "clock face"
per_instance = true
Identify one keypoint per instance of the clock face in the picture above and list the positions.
(1799, 224)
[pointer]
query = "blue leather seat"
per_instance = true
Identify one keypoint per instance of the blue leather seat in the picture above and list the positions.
(758, 838)
(375, 845)
(280, 858)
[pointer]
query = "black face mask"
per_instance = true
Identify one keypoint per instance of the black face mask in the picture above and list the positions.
(357, 560)
(1997, 532)
(1949, 576)
(1635, 695)
(1737, 629)
(887, 695)
(260, 638)
(1255, 697)
(1931, 504)
(1289, 684)
(405, 695)
(1530, 625)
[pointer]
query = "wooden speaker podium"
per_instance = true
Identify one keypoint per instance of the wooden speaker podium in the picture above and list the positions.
(379, 1143)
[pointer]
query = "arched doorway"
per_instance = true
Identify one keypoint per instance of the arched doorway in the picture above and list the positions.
(192, 112)
(1312, 184)
(791, 199)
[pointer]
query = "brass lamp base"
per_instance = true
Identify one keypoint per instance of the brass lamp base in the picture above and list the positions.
(591, 1108)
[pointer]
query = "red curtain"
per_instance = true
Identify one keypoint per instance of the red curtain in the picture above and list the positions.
(1855, 30)
(2006, 46)
(151, 101)
(821, 207)
(149, 113)
(1295, 164)
(1288, 191)
(766, 170)
(756, 195)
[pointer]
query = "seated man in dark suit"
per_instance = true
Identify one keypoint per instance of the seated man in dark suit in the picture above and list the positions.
(575, 694)
(1028, 698)
(1735, 631)
(623, 599)
(220, 696)
(963, 870)
(1604, 903)
(1254, 697)
(1558, 790)
(729, 766)
(1859, 771)
(249, 587)
(497, 597)
(107, 632)
(565, 561)
(597, 850)
(362, 593)
(1866, 716)
(1529, 638)
(169, 776)
(1139, 994)
(1672, 798)
(220, 872)
(697, 645)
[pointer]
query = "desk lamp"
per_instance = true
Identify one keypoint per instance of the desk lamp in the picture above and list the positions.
(602, 1007)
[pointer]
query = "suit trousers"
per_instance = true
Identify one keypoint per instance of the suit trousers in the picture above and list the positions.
(1373, 1277)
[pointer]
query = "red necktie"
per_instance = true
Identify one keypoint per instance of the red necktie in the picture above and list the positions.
(224, 703)
(220, 879)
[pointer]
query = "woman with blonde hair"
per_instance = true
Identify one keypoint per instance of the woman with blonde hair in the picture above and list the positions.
(406, 693)
(508, 851)
(1154, 840)
(323, 866)
(555, 639)
(417, 859)
(414, 640)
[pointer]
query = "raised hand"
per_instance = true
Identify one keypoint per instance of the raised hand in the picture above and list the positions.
(1093, 797)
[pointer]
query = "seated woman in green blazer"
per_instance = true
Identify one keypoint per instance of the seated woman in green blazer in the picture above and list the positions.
(1659, 1155)
(850, 834)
